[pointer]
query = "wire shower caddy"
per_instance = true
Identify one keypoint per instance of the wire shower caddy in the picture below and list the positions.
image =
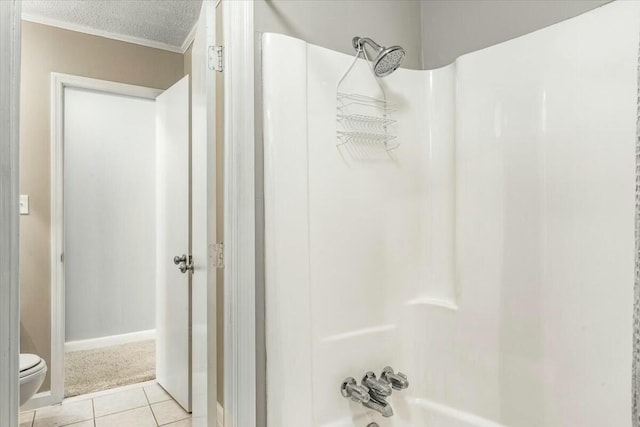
(362, 118)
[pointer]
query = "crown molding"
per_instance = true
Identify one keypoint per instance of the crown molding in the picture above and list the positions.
(190, 37)
(102, 33)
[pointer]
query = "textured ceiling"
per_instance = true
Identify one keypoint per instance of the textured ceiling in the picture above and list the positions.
(167, 22)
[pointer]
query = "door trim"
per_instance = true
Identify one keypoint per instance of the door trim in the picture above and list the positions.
(239, 217)
(9, 222)
(58, 83)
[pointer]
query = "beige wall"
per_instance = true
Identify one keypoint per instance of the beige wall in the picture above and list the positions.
(44, 50)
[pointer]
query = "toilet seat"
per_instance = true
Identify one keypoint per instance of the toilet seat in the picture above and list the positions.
(30, 364)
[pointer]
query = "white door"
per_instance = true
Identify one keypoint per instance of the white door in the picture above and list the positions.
(173, 321)
(203, 166)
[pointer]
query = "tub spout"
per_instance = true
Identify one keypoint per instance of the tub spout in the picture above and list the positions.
(377, 403)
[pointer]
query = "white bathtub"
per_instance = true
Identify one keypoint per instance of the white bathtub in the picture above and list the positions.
(413, 412)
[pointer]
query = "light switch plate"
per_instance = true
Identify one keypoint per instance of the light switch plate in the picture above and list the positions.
(24, 204)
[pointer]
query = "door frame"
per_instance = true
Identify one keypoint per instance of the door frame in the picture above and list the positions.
(58, 83)
(9, 219)
(240, 309)
(239, 198)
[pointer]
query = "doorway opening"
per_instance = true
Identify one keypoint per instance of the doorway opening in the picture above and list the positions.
(120, 307)
(109, 235)
(100, 58)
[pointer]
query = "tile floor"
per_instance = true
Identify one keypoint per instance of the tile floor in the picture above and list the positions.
(136, 406)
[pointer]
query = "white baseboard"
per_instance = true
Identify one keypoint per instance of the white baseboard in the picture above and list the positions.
(220, 416)
(109, 341)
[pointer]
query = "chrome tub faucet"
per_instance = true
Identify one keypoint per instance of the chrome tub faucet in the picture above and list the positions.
(379, 390)
(373, 391)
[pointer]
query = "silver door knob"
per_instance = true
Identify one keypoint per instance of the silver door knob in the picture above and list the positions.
(184, 263)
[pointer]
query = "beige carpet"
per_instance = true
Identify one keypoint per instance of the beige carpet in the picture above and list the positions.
(89, 371)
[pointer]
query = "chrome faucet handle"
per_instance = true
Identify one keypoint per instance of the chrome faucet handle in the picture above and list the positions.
(377, 386)
(398, 380)
(357, 393)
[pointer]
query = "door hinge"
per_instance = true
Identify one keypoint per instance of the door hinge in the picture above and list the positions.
(62, 257)
(217, 255)
(216, 58)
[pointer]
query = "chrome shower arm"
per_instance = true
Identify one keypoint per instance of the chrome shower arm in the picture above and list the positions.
(359, 42)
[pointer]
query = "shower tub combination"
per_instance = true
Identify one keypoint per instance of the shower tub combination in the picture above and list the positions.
(489, 256)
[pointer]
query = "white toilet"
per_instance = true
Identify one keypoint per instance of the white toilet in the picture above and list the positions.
(32, 372)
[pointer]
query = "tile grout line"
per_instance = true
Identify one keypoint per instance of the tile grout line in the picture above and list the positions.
(147, 404)
(118, 392)
(150, 408)
(120, 411)
(163, 401)
(146, 396)
(174, 421)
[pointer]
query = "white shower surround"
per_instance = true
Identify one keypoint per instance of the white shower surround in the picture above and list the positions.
(490, 257)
